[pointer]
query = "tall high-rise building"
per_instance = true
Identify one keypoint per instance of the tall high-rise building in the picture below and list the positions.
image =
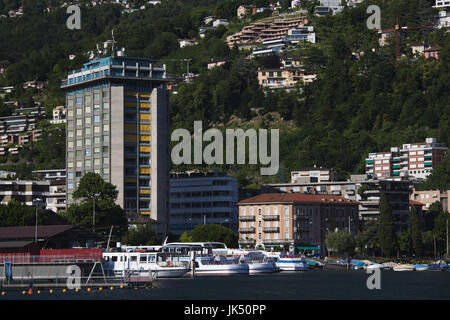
(118, 127)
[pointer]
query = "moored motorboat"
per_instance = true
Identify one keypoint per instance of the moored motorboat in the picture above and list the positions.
(421, 267)
(403, 267)
(288, 262)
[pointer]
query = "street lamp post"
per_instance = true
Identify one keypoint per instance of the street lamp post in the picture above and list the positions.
(93, 211)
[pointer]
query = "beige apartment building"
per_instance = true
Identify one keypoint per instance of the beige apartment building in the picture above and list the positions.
(280, 78)
(267, 30)
(294, 219)
(428, 197)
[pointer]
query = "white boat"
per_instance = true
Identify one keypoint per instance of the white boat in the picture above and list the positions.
(219, 265)
(206, 263)
(288, 263)
(403, 267)
(374, 266)
(150, 264)
(258, 262)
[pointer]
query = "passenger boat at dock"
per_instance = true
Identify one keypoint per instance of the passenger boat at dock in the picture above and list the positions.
(143, 263)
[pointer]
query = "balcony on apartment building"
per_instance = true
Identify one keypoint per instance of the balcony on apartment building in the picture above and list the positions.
(273, 217)
(246, 218)
(247, 230)
(271, 229)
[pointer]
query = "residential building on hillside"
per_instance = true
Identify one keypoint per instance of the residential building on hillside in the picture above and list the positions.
(294, 219)
(117, 126)
(361, 188)
(428, 197)
(414, 160)
(443, 17)
(24, 191)
(243, 10)
(259, 32)
(202, 198)
(59, 115)
(279, 78)
(313, 175)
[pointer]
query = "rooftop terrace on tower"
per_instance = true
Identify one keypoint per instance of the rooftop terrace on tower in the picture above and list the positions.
(116, 68)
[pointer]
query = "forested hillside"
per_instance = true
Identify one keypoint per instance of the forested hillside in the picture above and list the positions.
(362, 101)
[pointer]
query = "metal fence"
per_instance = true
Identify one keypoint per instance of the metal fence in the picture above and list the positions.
(52, 259)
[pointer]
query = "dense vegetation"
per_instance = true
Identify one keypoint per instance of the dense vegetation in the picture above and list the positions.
(361, 102)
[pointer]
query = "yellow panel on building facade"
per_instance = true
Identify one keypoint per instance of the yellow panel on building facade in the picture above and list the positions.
(144, 138)
(130, 138)
(144, 170)
(144, 191)
(144, 128)
(144, 148)
(144, 117)
(146, 213)
(145, 105)
(130, 180)
(144, 94)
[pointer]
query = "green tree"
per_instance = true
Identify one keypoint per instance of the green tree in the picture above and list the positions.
(440, 230)
(367, 239)
(93, 186)
(142, 235)
(404, 242)
(416, 231)
(185, 237)
(97, 196)
(214, 233)
(341, 241)
(386, 228)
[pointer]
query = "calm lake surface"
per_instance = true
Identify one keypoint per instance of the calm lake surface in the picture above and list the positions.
(310, 285)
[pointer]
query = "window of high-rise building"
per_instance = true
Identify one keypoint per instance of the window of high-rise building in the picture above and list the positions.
(97, 129)
(105, 105)
(87, 120)
(97, 149)
(88, 99)
(106, 127)
(97, 118)
(96, 162)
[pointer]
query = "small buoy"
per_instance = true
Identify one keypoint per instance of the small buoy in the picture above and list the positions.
(51, 290)
(76, 289)
(38, 292)
(30, 291)
(121, 286)
(64, 290)
(100, 289)
(111, 288)
(88, 289)
(3, 293)
(23, 291)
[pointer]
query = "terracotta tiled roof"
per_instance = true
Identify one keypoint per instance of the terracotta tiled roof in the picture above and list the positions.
(296, 197)
(415, 203)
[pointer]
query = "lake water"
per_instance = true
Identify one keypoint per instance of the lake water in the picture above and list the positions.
(310, 285)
